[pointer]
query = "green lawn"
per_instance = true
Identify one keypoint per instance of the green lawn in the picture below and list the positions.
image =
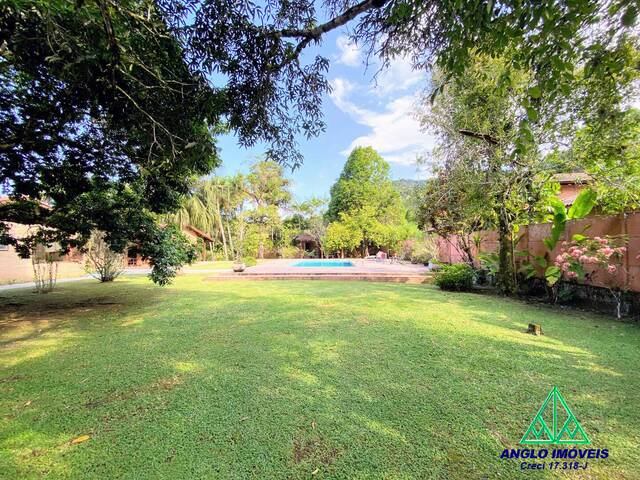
(299, 380)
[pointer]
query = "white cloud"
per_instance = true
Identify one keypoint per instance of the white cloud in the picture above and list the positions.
(349, 52)
(394, 132)
(397, 77)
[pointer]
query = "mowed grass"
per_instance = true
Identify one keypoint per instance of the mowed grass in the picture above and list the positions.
(299, 380)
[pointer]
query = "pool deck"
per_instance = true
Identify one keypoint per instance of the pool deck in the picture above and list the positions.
(369, 270)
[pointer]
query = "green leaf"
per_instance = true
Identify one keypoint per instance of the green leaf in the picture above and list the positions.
(577, 268)
(532, 114)
(541, 261)
(549, 243)
(578, 237)
(583, 204)
(629, 17)
(552, 274)
(527, 269)
(535, 92)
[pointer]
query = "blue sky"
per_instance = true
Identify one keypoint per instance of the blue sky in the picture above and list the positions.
(360, 111)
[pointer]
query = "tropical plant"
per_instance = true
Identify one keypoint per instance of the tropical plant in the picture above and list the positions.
(268, 191)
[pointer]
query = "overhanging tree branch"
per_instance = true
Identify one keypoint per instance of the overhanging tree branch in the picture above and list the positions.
(479, 136)
(316, 32)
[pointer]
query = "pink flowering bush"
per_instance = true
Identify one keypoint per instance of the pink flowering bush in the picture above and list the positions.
(583, 255)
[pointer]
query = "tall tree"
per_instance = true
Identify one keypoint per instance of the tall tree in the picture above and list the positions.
(485, 176)
(114, 94)
(364, 196)
(364, 182)
(101, 117)
(268, 191)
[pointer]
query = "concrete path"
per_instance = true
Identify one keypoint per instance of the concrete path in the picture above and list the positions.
(127, 271)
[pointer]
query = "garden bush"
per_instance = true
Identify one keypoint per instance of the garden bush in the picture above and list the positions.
(458, 277)
(290, 252)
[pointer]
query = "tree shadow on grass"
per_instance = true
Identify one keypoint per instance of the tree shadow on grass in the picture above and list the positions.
(277, 380)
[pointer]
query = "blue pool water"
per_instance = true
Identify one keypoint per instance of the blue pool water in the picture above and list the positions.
(323, 263)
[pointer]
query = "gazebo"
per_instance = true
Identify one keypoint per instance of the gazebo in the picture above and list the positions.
(307, 243)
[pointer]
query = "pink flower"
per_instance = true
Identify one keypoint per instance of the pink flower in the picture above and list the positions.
(559, 258)
(611, 269)
(621, 249)
(603, 241)
(565, 266)
(607, 251)
(584, 259)
(572, 275)
(597, 239)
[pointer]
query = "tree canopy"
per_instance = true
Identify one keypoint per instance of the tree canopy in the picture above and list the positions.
(364, 182)
(108, 108)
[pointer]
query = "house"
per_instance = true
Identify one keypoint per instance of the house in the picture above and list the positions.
(14, 269)
(571, 184)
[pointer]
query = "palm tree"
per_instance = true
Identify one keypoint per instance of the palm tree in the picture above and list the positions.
(212, 203)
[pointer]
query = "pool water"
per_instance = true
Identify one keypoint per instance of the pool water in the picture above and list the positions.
(324, 263)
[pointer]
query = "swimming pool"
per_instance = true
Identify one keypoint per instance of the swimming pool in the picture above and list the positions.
(324, 263)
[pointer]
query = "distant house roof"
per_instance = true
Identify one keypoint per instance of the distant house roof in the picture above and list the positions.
(572, 178)
(304, 237)
(198, 233)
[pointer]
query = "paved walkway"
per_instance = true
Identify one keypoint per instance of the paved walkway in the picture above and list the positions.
(128, 271)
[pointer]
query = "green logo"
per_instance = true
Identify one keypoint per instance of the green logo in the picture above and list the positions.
(555, 424)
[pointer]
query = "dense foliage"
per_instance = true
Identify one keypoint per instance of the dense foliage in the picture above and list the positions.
(365, 202)
(100, 117)
(457, 277)
(109, 108)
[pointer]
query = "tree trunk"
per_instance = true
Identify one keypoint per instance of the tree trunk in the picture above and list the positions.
(221, 227)
(463, 245)
(230, 239)
(506, 281)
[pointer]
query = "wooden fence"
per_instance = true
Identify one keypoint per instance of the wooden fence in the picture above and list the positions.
(627, 277)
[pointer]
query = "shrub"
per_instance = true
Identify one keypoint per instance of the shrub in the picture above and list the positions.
(45, 268)
(290, 252)
(101, 262)
(458, 277)
(249, 261)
